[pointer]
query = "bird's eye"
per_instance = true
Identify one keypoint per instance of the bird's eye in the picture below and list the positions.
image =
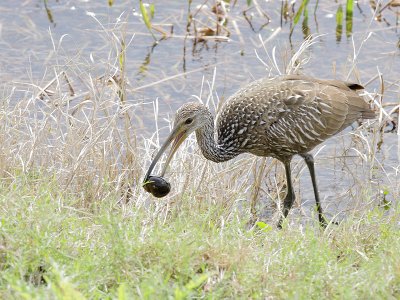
(188, 121)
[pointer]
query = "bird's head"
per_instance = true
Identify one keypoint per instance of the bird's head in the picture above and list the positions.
(189, 117)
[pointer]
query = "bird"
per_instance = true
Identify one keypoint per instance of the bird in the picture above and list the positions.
(276, 117)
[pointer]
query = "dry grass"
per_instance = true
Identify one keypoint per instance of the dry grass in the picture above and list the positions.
(76, 222)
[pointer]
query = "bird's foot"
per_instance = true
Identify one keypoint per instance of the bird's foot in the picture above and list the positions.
(323, 221)
(280, 222)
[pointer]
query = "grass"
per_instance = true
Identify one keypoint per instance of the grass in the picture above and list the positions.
(75, 222)
(72, 229)
(50, 248)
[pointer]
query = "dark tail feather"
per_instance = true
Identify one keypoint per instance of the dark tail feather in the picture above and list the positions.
(354, 86)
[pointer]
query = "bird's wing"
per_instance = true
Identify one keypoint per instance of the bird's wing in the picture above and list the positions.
(338, 101)
(303, 113)
(288, 112)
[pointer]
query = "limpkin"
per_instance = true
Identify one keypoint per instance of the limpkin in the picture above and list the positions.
(278, 117)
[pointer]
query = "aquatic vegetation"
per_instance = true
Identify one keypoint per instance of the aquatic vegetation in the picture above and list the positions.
(82, 114)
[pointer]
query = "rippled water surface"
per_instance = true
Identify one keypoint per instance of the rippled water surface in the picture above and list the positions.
(80, 31)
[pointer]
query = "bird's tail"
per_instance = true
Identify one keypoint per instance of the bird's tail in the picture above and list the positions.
(357, 103)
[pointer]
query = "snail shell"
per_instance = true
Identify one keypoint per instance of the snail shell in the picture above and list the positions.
(157, 186)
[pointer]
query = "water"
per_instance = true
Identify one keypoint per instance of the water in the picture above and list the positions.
(35, 37)
(27, 47)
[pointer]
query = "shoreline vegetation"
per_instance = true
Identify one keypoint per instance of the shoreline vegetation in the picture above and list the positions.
(75, 222)
(52, 247)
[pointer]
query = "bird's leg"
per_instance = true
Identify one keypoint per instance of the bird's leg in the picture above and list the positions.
(309, 159)
(290, 196)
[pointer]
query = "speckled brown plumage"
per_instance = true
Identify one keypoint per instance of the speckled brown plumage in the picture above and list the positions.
(277, 117)
(289, 115)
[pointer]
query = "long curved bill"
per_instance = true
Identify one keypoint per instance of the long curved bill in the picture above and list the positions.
(178, 136)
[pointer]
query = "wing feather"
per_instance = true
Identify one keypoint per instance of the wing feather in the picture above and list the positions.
(292, 113)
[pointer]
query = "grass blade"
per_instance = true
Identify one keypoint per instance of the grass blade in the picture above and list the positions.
(349, 17)
(300, 11)
(305, 27)
(152, 8)
(339, 22)
(146, 17)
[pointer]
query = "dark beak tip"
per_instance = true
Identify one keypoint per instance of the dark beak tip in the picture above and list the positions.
(146, 187)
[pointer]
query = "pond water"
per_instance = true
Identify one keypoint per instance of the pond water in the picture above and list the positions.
(180, 65)
(172, 70)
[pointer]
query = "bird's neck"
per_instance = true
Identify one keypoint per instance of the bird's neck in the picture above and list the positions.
(211, 150)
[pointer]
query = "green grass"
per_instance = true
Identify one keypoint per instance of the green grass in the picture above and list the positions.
(51, 247)
(75, 222)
